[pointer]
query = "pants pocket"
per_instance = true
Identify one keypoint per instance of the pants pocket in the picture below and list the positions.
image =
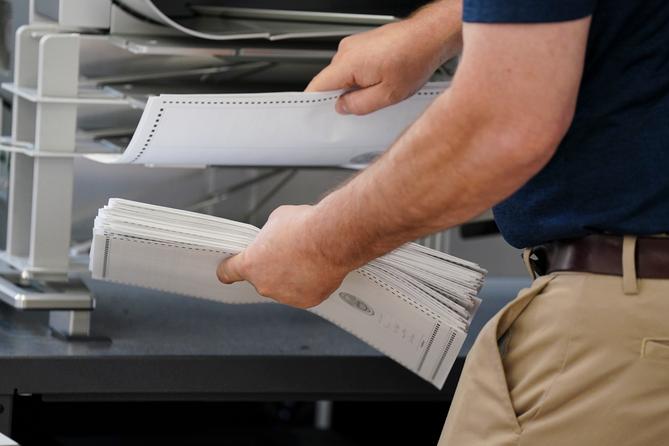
(655, 348)
(536, 348)
(482, 412)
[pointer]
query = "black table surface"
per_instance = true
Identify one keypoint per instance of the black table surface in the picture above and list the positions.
(159, 346)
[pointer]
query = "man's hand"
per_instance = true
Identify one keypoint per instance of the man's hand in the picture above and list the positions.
(285, 263)
(388, 64)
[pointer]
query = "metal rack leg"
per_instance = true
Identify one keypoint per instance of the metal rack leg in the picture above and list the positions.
(51, 213)
(55, 129)
(323, 417)
(71, 323)
(19, 206)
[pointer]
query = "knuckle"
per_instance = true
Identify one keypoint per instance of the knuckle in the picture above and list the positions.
(344, 43)
(283, 210)
(275, 214)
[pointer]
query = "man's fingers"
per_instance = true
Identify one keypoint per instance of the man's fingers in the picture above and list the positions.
(229, 270)
(333, 77)
(359, 101)
(366, 100)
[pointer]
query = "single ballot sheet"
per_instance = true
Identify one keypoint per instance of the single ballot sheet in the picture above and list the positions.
(265, 129)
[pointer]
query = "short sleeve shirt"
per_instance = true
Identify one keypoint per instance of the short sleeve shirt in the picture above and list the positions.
(610, 173)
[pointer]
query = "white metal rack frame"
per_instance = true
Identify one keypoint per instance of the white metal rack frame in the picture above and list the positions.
(38, 268)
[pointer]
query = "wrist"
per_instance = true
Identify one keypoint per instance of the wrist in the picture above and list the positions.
(324, 240)
(440, 22)
(337, 237)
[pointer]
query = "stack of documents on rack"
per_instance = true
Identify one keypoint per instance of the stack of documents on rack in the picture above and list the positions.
(414, 304)
(265, 129)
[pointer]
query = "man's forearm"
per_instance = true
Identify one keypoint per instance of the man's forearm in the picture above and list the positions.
(438, 174)
(442, 20)
(496, 127)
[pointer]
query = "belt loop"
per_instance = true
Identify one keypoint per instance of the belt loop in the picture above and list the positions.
(630, 283)
(527, 252)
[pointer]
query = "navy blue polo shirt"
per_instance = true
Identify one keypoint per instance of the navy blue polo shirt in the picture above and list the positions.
(610, 174)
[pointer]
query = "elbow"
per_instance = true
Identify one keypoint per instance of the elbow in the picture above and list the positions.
(529, 144)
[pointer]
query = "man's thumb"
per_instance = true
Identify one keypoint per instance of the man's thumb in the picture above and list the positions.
(228, 270)
(364, 100)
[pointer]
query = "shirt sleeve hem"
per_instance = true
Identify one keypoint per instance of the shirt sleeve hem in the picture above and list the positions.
(482, 11)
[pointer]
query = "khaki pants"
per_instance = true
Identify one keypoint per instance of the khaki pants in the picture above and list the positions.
(573, 360)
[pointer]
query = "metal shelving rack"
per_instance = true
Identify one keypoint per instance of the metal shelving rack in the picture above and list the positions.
(37, 271)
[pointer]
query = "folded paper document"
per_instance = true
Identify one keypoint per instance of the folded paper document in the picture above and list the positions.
(261, 129)
(414, 304)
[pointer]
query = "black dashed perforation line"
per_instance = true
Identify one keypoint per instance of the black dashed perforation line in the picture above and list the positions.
(148, 226)
(169, 245)
(147, 142)
(444, 353)
(105, 258)
(429, 346)
(429, 93)
(254, 102)
(277, 101)
(150, 136)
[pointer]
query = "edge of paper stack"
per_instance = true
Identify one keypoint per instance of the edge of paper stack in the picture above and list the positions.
(414, 304)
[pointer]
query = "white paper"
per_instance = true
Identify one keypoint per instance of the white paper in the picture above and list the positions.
(392, 306)
(266, 129)
(212, 27)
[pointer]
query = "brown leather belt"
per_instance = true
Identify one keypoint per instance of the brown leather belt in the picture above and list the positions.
(602, 254)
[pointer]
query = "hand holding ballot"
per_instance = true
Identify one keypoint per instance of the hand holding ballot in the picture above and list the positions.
(413, 304)
(382, 81)
(285, 264)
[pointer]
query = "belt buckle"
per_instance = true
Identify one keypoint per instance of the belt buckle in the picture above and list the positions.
(538, 259)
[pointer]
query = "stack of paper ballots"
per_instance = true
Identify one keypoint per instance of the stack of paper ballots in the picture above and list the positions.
(414, 304)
